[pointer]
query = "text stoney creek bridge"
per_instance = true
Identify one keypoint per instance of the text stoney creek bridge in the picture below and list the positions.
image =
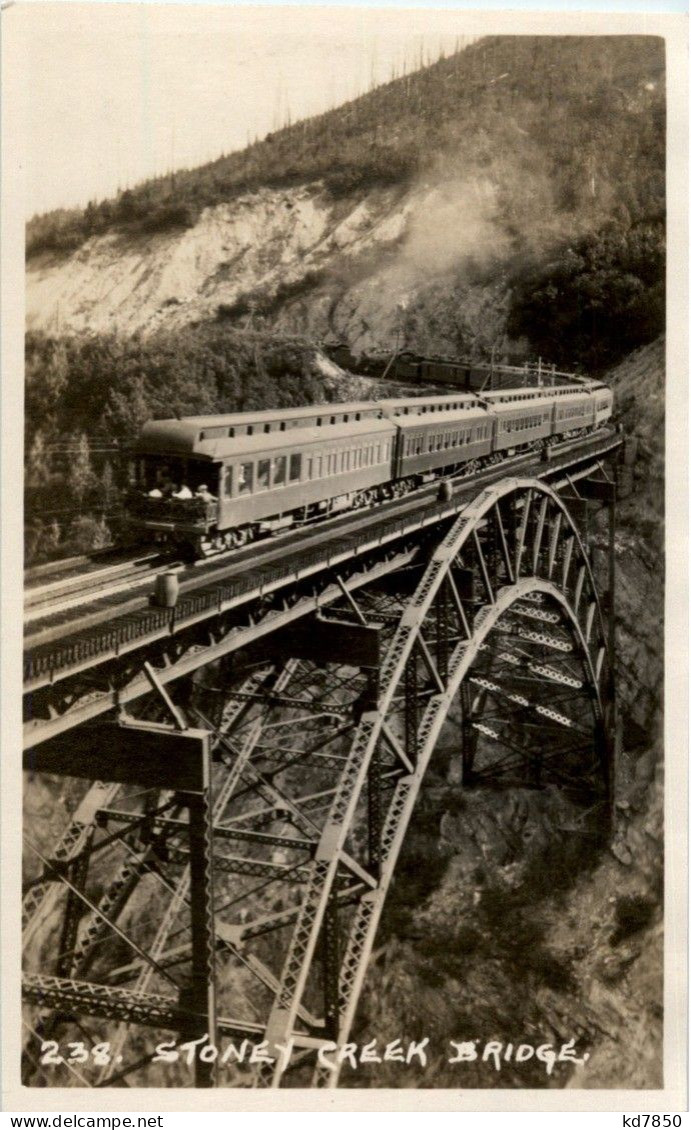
(250, 760)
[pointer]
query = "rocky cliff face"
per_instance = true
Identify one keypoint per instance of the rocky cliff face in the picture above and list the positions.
(355, 267)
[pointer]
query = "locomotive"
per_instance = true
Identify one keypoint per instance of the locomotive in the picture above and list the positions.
(405, 366)
(211, 483)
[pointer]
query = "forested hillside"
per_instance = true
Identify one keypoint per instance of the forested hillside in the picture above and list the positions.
(580, 114)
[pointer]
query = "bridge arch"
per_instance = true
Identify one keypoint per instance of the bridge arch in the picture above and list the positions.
(518, 541)
(492, 625)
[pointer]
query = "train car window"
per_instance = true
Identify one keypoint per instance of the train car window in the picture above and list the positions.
(231, 433)
(283, 425)
(295, 467)
(319, 421)
(345, 417)
(333, 419)
(309, 464)
(250, 429)
(318, 467)
(263, 474)
(278, 475)
(357, 415)
(245, 478)
(228, 482)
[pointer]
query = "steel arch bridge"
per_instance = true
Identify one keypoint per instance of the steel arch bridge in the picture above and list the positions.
(228, 886)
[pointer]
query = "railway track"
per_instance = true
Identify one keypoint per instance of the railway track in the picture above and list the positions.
(70, 586)
(75, 602)
(106, 619)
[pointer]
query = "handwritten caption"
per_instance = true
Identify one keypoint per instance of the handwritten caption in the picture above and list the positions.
(330, 1055)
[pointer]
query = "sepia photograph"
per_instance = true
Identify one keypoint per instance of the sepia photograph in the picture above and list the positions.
(353, 380)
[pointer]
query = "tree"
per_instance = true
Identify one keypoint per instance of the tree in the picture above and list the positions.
(107, 489)
(81, 478)
(38, 468)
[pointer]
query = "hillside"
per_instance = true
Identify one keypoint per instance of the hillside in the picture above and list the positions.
(418, 213)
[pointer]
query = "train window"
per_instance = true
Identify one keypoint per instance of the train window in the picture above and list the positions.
(263, 473)
(282, 425)
(228, 482)
(267, 428)
(250, 429)
(333, 419)
(357, 415)
(309, 464)
(278, 476)
(319, 421)
(295, 467)
(231, 433)
(245, 478)
(318, 467)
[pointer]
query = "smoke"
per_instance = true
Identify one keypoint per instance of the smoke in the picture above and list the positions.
(452, 225)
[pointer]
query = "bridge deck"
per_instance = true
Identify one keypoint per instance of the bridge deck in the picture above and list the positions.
(112, 627)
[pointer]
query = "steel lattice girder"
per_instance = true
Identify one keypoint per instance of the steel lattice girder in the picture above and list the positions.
(436, 636)
(396, 663)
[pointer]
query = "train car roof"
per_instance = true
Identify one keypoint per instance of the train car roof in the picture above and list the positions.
(264, 415)
(544, 392)
(454, 416)
(185, 440)
(506, 409)
(412, 401)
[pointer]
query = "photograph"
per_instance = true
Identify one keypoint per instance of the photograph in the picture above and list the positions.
(351, 411)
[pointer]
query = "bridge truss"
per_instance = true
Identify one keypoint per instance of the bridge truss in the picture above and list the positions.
(223, 879)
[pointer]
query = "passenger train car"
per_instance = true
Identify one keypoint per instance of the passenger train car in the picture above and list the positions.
(209, 483)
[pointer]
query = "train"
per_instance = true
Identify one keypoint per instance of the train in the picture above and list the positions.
(208, 484)
(406, 367)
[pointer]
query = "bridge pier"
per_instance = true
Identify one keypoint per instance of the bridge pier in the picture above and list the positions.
(175, 764)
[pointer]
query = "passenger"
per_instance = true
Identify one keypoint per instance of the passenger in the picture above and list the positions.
(183, 493)
(205, 494)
